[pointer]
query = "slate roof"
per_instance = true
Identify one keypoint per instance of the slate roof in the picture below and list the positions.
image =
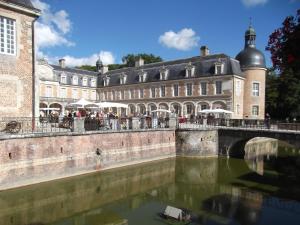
(73, 70)
(204, 67)
(24, 3)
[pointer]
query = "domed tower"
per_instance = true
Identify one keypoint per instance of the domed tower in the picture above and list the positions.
(253, 65)
(99, 65)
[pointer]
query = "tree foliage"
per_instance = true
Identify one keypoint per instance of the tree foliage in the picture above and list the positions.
(128, 61)
(283, 89)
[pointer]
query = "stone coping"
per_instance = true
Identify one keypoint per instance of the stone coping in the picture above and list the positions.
(55, 134)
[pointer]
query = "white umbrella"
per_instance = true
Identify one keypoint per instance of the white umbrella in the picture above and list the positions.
(161, 110)
(81, 103)
(49, 109)
(215, 111)
(111, 104)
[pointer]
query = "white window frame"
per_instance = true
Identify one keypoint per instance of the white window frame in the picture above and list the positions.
(84, 81)
(75, 80)
(153, 92)
(93, 95)
(93, 82)
(252, 110)
(255, 92)
(85, 94)
(216, 87)
(3, 40)
(173, 91)
(63, 92)
(73, 93)
(238, 87)
(49, 91)
(201, 93)
(161, 91)
(141, 93)
(221, 66)
(63, 79)
(187, 91)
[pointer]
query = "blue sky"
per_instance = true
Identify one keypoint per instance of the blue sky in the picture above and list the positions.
(81, 30)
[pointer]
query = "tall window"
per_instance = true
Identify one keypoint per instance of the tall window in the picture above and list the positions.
(74, 94)
(93, 95)
(113, 95)
(238, 88)
(153, 90)
(204, 106)
(238, 109)
(131, 94)
(48, 91)
(255, 89)
(85, 94)
(175, 90)
(203, 88)
(189, 89)
(218, 87)
(141, 93)
(255, 110)
(7, 36)
(75, 80)
(63, 92)
(122, 95)
(189, 109)
(162, 91)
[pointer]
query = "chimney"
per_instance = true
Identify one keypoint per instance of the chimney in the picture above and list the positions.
(104, 69)
(139, 62)
(62, 63)
(204, 51)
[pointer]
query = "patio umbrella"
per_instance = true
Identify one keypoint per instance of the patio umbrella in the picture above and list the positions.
(161, 110)
(81, 104)
(111, 104)
(216, 111)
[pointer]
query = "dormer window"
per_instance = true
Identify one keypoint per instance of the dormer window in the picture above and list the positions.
(219, 68)
(84, 81)
(164, 72)
(123, 78)
(189, 70)
(75, 80)
(63, 79)
(93, 82)
(106, 80)
(142, 76)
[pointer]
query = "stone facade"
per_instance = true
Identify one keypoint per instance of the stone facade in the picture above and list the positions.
(16, 70)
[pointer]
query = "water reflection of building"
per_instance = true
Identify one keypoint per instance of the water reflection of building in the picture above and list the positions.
(259, 149)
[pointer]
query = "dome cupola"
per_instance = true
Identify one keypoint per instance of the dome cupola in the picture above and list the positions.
(250, 56)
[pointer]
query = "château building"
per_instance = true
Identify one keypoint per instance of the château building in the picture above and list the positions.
(17, 77)
(187, 86)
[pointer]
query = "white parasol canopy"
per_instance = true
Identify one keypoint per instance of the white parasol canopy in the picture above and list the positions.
(49, 109)
(216, 111)
(111, 104)
(82, 103)
(161, 110)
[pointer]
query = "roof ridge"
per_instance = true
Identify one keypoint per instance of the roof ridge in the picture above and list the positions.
(72, 68)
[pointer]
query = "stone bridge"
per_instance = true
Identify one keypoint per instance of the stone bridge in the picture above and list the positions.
(232, 140)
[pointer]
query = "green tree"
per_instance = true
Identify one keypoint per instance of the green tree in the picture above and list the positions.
(285, 54)
(128, 61)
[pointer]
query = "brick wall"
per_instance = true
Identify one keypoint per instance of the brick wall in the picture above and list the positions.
(16, 71)
(31, 160)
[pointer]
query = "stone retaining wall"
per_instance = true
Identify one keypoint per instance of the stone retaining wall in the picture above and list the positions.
(36, 159)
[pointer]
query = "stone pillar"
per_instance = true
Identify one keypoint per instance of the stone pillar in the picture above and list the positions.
(135, 123)
(172, 122)
(78, 125)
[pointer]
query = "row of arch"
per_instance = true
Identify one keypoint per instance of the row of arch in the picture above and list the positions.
(180, 108)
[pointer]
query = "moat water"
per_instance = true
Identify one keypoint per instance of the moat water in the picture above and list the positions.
(263, 188)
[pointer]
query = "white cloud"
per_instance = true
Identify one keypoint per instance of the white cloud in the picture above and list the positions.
(71, 61)
(250, 3)
(52, 27)
(184, 40)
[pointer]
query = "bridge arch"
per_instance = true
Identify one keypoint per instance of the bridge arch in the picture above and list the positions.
(232, 141)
